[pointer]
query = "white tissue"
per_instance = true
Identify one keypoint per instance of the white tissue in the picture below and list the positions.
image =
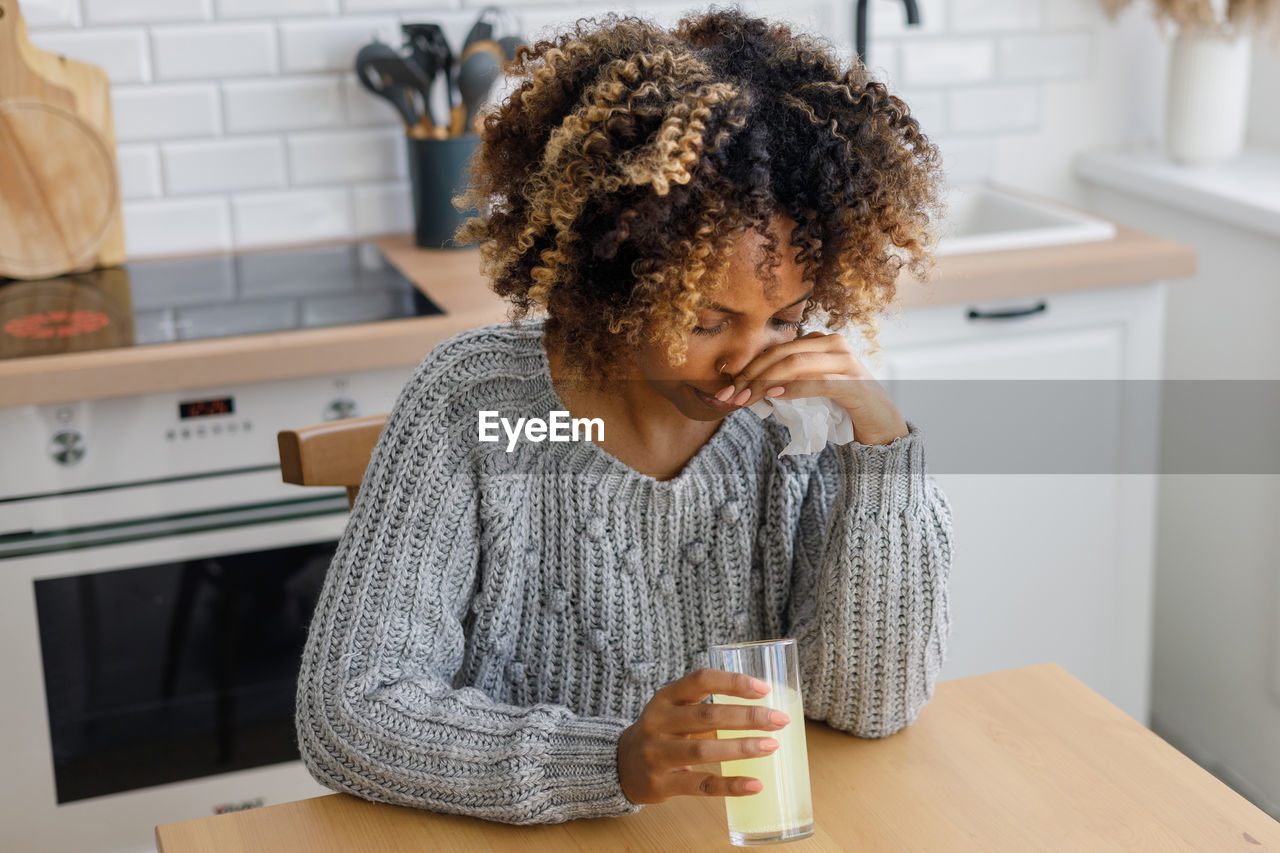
(812, 422)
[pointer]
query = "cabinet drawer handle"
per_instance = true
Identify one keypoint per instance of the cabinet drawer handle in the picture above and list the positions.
(1040, 306)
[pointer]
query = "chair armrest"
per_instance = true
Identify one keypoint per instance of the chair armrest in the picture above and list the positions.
(335, 453)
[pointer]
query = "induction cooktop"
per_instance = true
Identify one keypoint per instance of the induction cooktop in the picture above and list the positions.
(161, 301)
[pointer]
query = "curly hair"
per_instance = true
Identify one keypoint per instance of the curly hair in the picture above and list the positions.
(612, 183)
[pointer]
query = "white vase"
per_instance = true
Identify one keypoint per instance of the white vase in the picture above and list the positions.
(1208, 97)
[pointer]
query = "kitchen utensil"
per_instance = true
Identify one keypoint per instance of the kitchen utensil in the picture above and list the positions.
(398, 71)
(59, 194)
(481, 65)
(509, 45)
(427, 67)
(493, 22)
(480, 31)
(402, 82)
(429, 46)
(378, 83)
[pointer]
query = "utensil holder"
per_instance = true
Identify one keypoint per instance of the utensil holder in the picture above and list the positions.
(438, 170)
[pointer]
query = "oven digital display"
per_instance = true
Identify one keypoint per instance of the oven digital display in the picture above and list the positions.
(200, 408)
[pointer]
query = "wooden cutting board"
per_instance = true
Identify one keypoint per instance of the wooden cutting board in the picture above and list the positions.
(59, 190)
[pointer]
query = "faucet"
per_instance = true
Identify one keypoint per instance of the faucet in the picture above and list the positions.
(860, 25)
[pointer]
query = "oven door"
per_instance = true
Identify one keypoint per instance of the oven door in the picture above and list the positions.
(152, 637)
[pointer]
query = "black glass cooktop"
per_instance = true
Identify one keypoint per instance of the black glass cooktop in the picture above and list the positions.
(160, 301)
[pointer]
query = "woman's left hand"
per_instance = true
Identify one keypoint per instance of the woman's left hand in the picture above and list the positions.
(821, 365)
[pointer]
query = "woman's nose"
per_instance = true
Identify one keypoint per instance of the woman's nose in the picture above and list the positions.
(740, 353)
(732, 363)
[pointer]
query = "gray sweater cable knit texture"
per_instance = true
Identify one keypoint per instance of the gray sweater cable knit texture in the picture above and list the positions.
(491, 621)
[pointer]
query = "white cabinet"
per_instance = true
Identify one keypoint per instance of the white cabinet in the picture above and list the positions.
(1048, 566)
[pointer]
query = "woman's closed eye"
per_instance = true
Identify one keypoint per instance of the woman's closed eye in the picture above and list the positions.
(778, 324)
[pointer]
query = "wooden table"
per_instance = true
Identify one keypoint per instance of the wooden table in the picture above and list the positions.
(1025, 759)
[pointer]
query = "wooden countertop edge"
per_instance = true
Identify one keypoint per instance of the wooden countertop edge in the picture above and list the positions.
(1132, 257)
(230, 361)
(451, 279)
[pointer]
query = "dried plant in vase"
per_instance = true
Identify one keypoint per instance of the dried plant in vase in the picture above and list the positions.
(1209, 67)
(1226, 18)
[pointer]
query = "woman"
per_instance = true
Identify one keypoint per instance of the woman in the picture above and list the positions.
(515, 629)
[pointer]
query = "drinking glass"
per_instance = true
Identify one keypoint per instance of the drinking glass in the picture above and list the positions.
(783, 810)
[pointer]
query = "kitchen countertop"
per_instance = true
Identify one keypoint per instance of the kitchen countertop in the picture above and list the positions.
(1022, 759)
(1243, 191)
(452, 280)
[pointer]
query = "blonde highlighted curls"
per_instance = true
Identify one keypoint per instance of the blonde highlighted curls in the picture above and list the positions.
(613, 181)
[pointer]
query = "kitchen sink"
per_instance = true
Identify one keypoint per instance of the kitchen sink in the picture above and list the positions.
(986, 217)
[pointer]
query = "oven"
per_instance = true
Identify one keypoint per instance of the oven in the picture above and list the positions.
(157, 577)
(154, 600)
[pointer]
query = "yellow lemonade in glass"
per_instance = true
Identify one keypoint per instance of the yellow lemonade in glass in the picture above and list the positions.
(783, 809)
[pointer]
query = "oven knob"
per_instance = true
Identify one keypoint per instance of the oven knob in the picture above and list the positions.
(342, 407)
(67, 446)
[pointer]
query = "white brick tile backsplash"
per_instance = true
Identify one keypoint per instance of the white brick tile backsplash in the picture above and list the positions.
(272, 8)
(883, 63)
(240, 123)
(364, 107)
(929, 108)
(967, 161)
(994, 109)
(589, 8)
(282, 104)
(383, 209)
(542, 22)
(176, 226)
(164, 112)
(888, 19)
(218, 50)
(146, 11)
(122, 53)
(349, 155)
(51, 13)
(945, 63)
(294, 216)
(357, 7)
(224, 165)
(1064, 56)
(139, 168)
(814, 16)
(1073, 16)
(331, 45)
(969, 16)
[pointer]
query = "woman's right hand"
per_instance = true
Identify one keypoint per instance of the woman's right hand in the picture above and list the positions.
(677, 729)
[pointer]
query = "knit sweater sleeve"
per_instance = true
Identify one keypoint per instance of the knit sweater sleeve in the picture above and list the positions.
(869, 602)
(378, 713)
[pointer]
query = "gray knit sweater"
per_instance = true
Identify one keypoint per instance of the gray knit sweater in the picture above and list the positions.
(493, 620)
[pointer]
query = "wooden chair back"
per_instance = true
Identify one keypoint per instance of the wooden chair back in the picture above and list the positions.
(334, 453)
